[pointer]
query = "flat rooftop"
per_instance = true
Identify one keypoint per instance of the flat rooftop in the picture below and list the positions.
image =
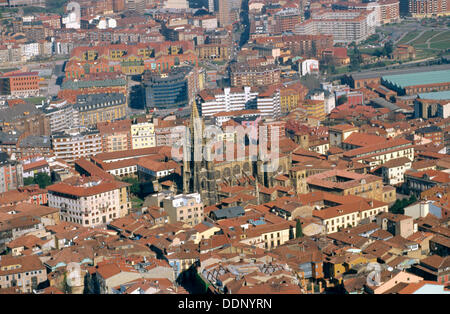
(411, 70)
(444, 95)
(412, 79)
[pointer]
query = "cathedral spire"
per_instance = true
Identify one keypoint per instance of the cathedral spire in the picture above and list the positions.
(194, 114)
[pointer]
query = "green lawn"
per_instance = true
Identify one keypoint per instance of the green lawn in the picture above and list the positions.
(425, 53)
(445, 44)
(421, 46)
(425, 36)
(368, 51)
(441, 37)
(408, 37)
(35, 100)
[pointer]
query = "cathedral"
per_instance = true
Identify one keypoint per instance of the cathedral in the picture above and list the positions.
(204, 173)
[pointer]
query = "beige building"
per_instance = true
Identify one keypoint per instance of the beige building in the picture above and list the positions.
(378, 154)
(143, 135)
(349, 214)
(187, 208)
(397, 224)
(24, 272)
(339, 133)
(95, 108)
(267, 236)
(89, 202)
(347, 183)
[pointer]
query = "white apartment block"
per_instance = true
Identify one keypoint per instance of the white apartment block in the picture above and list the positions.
(143, 135)
(90, 204)
(269, 105)
(393, 172)
(345, 26)
(62, 116)
(71, 146)
(29, 50)
(230, 99)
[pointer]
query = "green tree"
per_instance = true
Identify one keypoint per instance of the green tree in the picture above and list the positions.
(298, 229)
(355, 59)
(28, 181)
(412, 199)
(393, 99)
(388, 49)
(135, 187)
(42, 179)
(342, 100)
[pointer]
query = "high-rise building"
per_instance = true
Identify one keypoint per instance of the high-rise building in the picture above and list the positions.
(115, 135)
(224, 13)
(19, 84)
(245, 75)
(135, 5)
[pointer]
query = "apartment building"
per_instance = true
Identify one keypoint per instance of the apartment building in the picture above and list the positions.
(427, 8)
(377, 154)
(61, 115)
(75, 144)
(350, 213)
(10, 173)
(339, 133)
(142, 134)
(315, 109)
(397, 224)
(268, 102)
(115, 135)
(393, 171)
(345, 26)
(228, 99)
(187, 208)
(213, 51)
(432, 133)
(95, 108)
(23, 272)
(245, 75)
(16, 226)
(417, 182)
(88, 201)
(266, 236)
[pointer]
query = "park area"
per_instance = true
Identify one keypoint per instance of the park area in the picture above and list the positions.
(427, 42)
